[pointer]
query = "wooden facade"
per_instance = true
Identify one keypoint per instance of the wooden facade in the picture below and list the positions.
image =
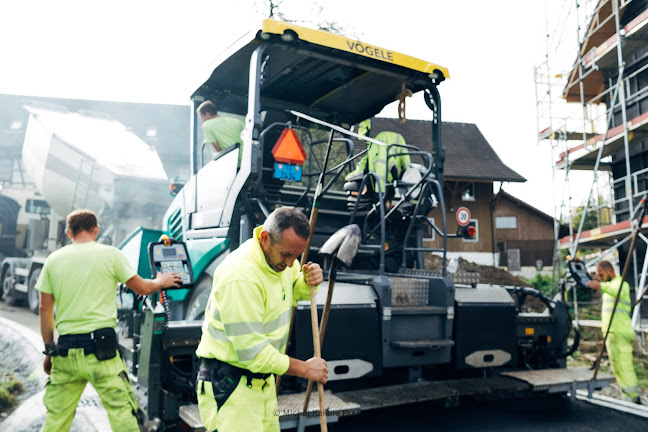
(480, 211)
(521, 226)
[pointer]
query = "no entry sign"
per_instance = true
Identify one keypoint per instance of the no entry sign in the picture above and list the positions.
(463, 216)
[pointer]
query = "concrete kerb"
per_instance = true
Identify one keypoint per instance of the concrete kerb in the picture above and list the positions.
(22, 356)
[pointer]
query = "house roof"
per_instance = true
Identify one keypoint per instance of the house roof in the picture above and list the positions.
(468, 155)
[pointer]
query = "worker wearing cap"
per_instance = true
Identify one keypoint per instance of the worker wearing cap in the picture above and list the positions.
(245, 329)
(387, 168)
(620, 341)
(81, 280)
(221, 131)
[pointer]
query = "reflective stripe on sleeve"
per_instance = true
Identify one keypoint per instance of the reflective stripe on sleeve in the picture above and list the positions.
(217, 334)
(249, 353)
(246, 327)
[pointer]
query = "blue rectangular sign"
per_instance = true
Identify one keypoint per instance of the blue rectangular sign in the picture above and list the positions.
(285, 171)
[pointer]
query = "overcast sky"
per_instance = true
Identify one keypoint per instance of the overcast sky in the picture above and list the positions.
(145, 51)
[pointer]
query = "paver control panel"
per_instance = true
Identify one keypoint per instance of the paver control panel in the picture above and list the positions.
(171, 257)
(579, 273)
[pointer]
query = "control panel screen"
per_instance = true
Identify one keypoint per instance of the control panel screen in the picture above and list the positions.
(169, 252)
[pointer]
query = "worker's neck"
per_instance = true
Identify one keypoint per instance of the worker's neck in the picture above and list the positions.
(84, 237)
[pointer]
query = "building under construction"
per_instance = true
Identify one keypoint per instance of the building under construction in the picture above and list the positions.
(592, 105)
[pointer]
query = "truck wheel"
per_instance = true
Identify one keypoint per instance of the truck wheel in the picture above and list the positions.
(33, 295)
(199, 297)
(10, 296)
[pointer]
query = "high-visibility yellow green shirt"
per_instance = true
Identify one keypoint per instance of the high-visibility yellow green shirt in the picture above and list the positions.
(622, 322)
(83, 279)
(226, 131)
(248, 312)
(377, 159)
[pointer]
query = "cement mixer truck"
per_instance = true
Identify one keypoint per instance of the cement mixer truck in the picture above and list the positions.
(77, 160)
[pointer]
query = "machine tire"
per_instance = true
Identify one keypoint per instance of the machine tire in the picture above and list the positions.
(8, 293)
(198, 301)
(33, 295)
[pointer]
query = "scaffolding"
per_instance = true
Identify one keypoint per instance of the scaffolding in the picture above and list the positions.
(592, 108)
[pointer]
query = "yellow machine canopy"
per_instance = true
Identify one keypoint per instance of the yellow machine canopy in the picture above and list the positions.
(331, 77)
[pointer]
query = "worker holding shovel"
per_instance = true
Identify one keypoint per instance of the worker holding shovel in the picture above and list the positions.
(245, 330)
(620, 340)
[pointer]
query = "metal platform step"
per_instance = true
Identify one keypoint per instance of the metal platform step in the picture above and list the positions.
(20, 271)
(409, 291)
(560, 380)
(290, 409)
(525, 384)
(403, 394)
(423, 344)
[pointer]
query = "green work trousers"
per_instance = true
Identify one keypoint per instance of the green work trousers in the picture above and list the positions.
(249, 409)
(619, 349)
(69, 377)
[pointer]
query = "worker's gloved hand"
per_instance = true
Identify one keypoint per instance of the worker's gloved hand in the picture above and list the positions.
(317, 370)
(168, 280)
(312, 274)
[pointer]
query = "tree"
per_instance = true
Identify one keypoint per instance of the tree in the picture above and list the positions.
(597, 215)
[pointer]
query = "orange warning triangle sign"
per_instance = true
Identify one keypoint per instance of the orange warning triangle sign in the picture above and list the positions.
(288, 148)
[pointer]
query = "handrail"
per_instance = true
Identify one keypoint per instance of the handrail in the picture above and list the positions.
(381, 205)
(415, 216)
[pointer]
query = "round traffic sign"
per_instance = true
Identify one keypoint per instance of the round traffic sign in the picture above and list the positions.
(463, 216)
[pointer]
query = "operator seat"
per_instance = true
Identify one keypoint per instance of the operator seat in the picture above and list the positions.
(388, 169)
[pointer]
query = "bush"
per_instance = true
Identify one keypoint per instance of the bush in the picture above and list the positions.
(540, 282)
(9, 388)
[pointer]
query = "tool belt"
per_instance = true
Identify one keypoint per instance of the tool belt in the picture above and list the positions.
(224, 378)
(102, 343)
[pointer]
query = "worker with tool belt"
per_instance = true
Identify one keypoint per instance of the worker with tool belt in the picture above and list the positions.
(245, 330)
(81, 280)
(620, 341)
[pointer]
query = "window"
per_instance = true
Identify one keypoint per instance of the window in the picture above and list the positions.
(506, 222)
(428, 231)
(468, 194)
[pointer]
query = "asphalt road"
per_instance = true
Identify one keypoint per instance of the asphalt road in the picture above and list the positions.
(21, 315)
(501, 416)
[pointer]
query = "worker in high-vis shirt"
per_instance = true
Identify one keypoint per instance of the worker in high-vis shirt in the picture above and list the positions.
(221, 131)
(81, 280)
(387, 168)
(620, 341)
(245, 329)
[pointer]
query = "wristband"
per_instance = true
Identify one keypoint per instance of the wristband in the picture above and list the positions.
(51, 350)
